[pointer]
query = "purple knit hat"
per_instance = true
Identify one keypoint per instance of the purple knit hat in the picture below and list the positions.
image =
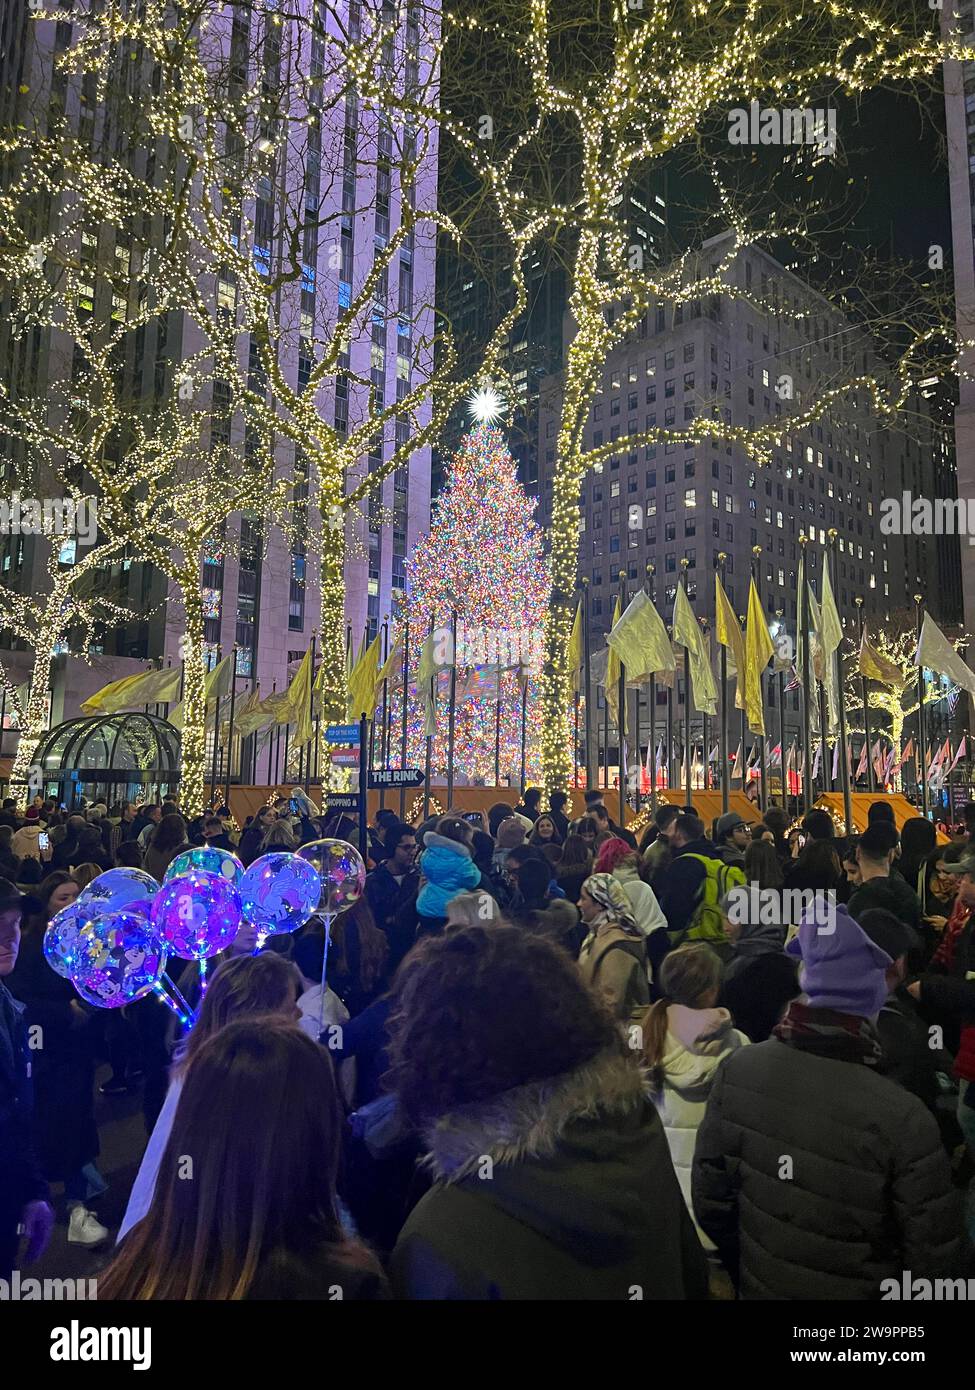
(842, 968)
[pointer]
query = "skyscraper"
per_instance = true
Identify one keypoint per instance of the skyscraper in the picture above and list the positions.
(259, 584)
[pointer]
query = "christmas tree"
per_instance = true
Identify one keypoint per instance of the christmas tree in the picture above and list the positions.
(483, 561)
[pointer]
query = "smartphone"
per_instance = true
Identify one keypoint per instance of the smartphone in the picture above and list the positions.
(44, 840)
(293, 804)
(473, 817)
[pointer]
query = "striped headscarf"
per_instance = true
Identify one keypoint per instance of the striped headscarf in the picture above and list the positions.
(608, 892)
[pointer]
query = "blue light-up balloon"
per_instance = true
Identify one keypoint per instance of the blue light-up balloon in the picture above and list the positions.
(210, 858)
(115, 890)
(61, 937)
(119, 958)
(279, 892)
(197, 914)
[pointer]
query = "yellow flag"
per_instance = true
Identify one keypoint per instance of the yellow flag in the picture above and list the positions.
(362, 682)
(150, 688)
(393, 665)
(252, 715)
(831, 636)
(575, 648)
(874, 666)
(426, 688)
(687, 633)
(295, 707)
(728, 631)
(758, 653)
(216, 686)
(639, 640)
(613, 671)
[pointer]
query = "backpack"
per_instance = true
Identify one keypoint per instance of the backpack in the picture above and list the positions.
(705, 924)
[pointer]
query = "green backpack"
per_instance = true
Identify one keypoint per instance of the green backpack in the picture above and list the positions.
(705, 924)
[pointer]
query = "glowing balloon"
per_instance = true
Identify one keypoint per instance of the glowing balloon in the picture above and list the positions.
(197, 914)
(209, 857)
(341, 871)
(115, 889)
(119, 958)
(61, 937)
(279, 892)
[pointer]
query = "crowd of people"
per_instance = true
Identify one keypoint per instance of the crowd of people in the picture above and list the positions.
(550, 1060)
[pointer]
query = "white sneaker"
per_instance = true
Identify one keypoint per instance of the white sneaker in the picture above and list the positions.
(84, 1228)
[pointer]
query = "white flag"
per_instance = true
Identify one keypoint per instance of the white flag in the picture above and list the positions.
(936, 653)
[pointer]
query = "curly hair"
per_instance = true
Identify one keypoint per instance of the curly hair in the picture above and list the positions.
(483, 1009)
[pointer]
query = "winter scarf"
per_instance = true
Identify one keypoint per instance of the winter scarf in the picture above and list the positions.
(826, 1033)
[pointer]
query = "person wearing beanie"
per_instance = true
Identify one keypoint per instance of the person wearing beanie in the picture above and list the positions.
(731, 838)
(814, 1175)
(448, 868)
(509, 835)
(878, 887)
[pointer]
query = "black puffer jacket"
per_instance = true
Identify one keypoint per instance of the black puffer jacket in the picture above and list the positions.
(870, 1191)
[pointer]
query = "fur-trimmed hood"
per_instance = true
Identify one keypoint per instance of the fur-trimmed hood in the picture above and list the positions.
(529, 1121)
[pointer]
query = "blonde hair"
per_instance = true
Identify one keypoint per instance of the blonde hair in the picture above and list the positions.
(85, 874)
(687, 974)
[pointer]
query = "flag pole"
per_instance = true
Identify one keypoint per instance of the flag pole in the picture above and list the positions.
(605, 740)
(451, 712)
(652, 697)
(406, 688)
(807, 796)
(763, 764)
(823, 720)
(920, 715)
(524, 729)
(831, 555)
(230, 728)
(311, 709)
(384, 731)
(723, 738)
(863, 696)
(587, 686)
(428, 753)
(622, 711)
(216, 739)
(705, 750)
(669, 752)
(497, 726)
(688, 753)
(780, 693)
(272, 743)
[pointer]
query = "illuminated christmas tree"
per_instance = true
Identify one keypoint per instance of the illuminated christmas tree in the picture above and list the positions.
(483, 560)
